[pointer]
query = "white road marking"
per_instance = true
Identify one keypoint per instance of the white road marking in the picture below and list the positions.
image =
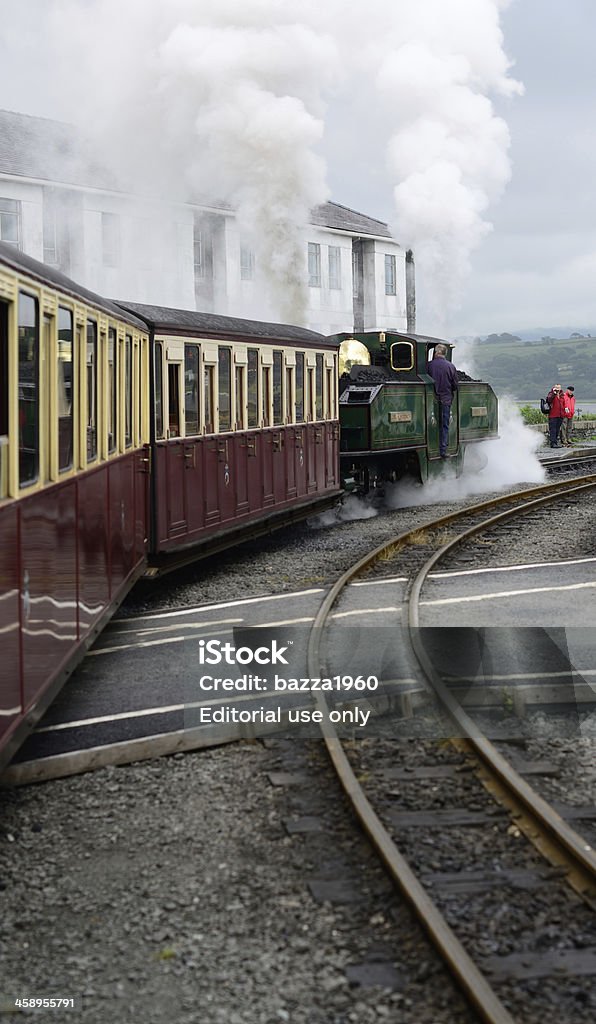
(223, 604)
(508, 593)
(509, 568)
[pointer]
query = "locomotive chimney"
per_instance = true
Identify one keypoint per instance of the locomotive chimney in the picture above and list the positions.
(410, 293)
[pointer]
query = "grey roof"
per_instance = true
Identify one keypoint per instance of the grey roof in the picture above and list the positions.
(332, 215)
(13, 257)
(36, 147)
(162, 318)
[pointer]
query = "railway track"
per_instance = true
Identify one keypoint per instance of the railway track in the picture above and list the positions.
(566, 851)
(473, 978)
(160, 723)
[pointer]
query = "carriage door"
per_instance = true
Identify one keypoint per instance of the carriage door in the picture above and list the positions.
(175, 454)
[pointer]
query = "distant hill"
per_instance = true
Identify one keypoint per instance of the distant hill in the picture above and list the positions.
(538, 333)
(526, 370)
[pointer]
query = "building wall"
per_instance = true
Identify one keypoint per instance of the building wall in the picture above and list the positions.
(124, 248)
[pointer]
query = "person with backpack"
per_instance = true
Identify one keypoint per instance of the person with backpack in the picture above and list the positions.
(568, 415)
(556, 414)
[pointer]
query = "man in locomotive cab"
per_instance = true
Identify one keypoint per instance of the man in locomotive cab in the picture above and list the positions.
(444, 376)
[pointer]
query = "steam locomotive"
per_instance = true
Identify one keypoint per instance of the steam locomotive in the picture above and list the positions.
(389, 413)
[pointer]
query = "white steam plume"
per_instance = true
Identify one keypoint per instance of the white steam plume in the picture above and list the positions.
(437, 64)
(225, 100)
(213, 100)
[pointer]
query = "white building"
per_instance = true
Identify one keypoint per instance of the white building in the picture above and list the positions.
(60, 208)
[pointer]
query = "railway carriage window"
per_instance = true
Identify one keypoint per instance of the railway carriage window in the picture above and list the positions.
(173, 400)
(158, 357)
(253, 387)
(289, 409)
(402, 355)
(128, 391)
(266, 396)
(310, 400)
(3, 399)
(3, 369)
(277, 389)
(225, 388)
(191, 389)
(28, 389)
(112, 390)
(91, 390)
(330, 412)
(208, 396)
(65, 378)
(299, 387)
(239, 398)
(319, 386)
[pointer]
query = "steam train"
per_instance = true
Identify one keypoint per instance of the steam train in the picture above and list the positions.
(134, 437)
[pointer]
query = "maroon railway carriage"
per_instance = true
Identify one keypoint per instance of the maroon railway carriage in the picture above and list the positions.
(74, 488)
(245, 432)
(133, 439)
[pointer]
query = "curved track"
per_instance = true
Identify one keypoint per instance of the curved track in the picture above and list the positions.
(552, 835)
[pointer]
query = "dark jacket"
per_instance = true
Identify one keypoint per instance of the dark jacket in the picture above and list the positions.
(444, 376)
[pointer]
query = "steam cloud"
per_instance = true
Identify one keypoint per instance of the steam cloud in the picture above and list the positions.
(225, 100)
(448, 150)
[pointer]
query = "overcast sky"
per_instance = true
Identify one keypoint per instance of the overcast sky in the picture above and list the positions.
(538, 265)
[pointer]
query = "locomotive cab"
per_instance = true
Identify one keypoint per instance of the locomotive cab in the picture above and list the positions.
(389, 412)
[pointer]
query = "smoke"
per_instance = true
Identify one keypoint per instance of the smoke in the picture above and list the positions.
(212, 101)
(438, 64)
(224, 102)
(488, 466)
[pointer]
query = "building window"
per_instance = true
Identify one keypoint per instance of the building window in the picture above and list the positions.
(390, 275)
(247, 263)
(50, 229)
(110, 239)
(198, 251)
(314, 264)
(334, 266)
(10, 222)
(355, 275)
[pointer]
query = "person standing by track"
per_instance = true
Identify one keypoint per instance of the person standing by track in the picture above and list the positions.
(556, 415)
(568, 414)
(445, 379)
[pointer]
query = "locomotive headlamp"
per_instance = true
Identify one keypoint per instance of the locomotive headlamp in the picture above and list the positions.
(352, 353)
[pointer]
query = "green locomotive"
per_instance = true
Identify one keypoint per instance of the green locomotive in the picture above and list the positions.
(389, 412)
